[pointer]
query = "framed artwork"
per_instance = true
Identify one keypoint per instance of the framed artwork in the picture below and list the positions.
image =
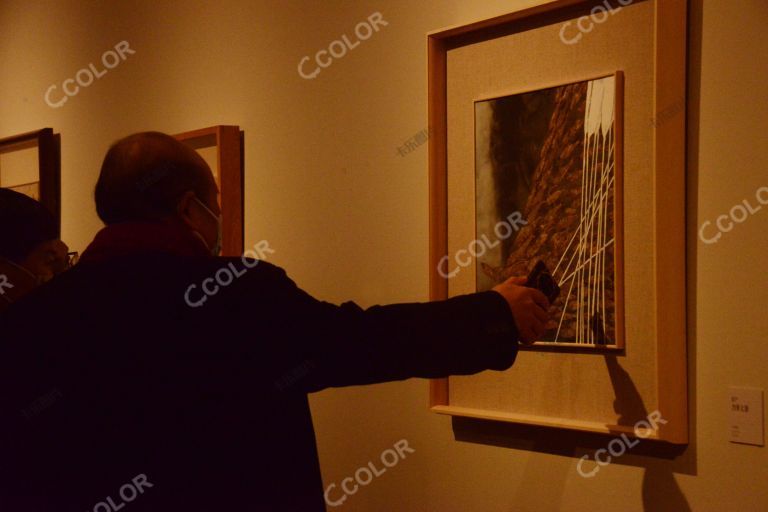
(30, 164)
(222, 149)
(553, 158)
(560, 159)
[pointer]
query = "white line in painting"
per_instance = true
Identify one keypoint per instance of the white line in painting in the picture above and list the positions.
(597, 185)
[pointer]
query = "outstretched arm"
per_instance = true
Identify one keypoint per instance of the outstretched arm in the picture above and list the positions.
(346, 345)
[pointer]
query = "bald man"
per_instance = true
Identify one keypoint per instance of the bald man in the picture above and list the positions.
(123, 392)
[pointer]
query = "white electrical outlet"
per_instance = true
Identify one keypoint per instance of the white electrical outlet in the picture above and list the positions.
(746, 416)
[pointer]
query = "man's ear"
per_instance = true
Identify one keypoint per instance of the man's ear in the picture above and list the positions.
(187, 211)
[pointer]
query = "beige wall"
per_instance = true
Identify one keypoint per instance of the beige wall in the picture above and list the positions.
(347, 216)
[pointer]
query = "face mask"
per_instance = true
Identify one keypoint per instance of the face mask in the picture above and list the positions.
(216, 249)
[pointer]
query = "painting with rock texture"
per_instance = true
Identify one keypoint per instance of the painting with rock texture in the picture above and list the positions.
(553, 155)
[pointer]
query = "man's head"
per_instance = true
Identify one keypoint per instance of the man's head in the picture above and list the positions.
(152, 177)
(29, 236)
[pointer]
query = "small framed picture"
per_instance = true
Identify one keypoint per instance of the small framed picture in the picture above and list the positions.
(30, 164)
(222, 149)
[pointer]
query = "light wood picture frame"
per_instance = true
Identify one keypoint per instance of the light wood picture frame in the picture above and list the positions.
(30, 163)
(608, 392)
(222, 148)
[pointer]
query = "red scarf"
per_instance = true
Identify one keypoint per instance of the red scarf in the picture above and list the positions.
(131, 238)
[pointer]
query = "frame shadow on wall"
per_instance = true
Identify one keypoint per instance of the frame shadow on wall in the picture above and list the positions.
(546, 478)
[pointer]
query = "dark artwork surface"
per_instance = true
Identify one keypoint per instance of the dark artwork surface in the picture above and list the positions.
(551, 156)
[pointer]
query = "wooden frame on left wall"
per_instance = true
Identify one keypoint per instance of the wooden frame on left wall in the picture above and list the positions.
(47, 187)
(222, 148)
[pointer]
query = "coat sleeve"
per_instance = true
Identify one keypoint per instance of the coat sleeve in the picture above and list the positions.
(346, 345)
